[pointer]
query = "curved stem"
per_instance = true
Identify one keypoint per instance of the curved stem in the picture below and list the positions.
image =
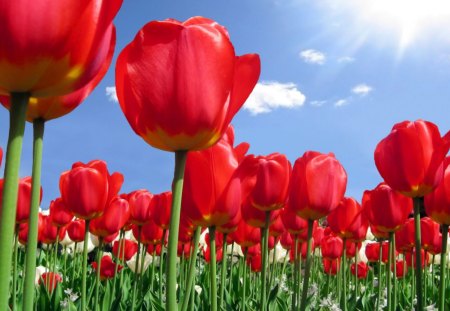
(417, 206)
(212, 267)
(19, 103)
(30, 265)
(230, 283)
(308, 265)
(84, 265)
(443, 268)
(264, 249)
(177, 191)
(191, 273)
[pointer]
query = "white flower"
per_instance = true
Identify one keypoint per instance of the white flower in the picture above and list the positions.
(40, 270)
(132, 263)
(431, 307)
(66, 241)
(198, 289)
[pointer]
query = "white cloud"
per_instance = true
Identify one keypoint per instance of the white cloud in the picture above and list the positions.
(270, 95)
(341, 102)
(362, 89)
(111, 94)
(346, 60)
(318, 103)
(313, 57)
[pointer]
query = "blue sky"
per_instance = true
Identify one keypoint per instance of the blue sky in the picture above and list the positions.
(335, 77)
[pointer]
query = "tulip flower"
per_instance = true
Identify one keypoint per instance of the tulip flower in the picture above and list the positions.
(431, 237)
(160, 205)
(363, 270)
(59, 213)
(107, 268)
(404, 238)
(341, 219)
(113, 219)
(50, 232)
(246, 235)
(1, 156)
(331, 266)
(76, 230)
(50, 280)
(332, 247)
(400, 269)
(150, 233)
(129, 249)
(372, 252)
(293, 223)
(140, 207)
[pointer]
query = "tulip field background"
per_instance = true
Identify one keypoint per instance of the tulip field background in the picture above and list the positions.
(234, 155)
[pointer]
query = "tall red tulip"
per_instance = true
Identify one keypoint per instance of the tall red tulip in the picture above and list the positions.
(107, 268)
(318, 184)
(151, 233)
(341, 219)
(50, 280)
(128, 249)
(332, 247)
(246, 235)
(437, 203)
(154, 79)
(76, 229)
(404, 238)
(331, 266)
(363, 269)
(87, 188)
(59, 213)
(431, 237)
(160, 205)
(141, 211)
(50, 232)
(293, 223)
(113, 219)
(386, 209)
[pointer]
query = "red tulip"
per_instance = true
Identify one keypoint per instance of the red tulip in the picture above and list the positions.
(1, 156)
(386, 209)
(54, 49)
(128, 249)
(50, 280)
(184, 250)
(411, 258)
(150, 233)
(207, 254)
(293, 223)
(59, 213)
(161, 205)
(351, 248)
(76, 230)
(113, 219)
(410, 158)
(255, 217)
(87, 188)
(380, 236)
(341, 219)
(50, 232)
(318, 235)
(154, 250)
(404, 238)
(331, 266)
(400, 269)
(318, 184)
(286, 240)
(332, 247)
(140, 207)
(246, 235)
(363, 269)
(155, 77)
(107, 268)
(302, 248)
(437, 203)
(211, 191)
(276, 229)
(23, 230)
(431, 237)
(255, 262)
(373, 252)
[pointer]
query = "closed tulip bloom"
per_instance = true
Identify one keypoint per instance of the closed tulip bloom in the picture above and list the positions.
(161, 205)
(276, 229)
(373, 252)
(50, 280)
(151, 233)
(410, 259)
(50, 232)
(286, 240)
(332, 247)
(431, 238)
(113, 219)
(154, 78)
(141, 211)
(50, 49)
(246, 235)
(437, 203)
(293, 223)
(87, 188)
(212, 189)
(255, 217)
(318, 184)
(410, 158)
(107, 268)
(1, 156)
(386, 209)
(331, 266)
(76, 230)
(363, 269)
(207, 254)
(154, 250)
(318, 235)
(128, 249)
(341, 219)
(59, 213)
(255, 263)
(351, 247)
(404, 238)
(23, 230)
(302, 248)
(400, 269)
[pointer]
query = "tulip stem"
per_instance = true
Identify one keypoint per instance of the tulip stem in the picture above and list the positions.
(394, 277)
(417, 206)
(344, 277)
(308, 265)
(99, 262)
(212, 267)
(191, 273)
(15, 266)
(223, 271)
(177, 191)
(230, 283)
(296, 273)
(84, 265)
(136, 272)
(443, 268)
(244, 279)
(379, 275)
(264, 249)
(30, 265)
(161, 261)
(118, 259)
(19, 103)
(388, 271)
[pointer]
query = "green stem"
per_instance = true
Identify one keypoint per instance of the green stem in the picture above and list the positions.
(417, 206)
(30, 265)
(116, 267)
(74, 265)
(356, 273)
(19, 103)
(84, 265)
(274, 267)
(244, 279)
(15, 266)
(344, 277)
(97, 279)
(191, 273)
(296, 273)
(264, 249)
(230, 283)
(142, 272)
(212, 267)
(388, 271)
(308, 265)
(152, 275)
(223, 271)
(394, 277)
(379, 276)
(177, 191)
(161, 261)
(443, 268)
(136, 272)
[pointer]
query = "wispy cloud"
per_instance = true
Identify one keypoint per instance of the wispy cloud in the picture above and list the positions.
(270, 95)
(362, 89)
(111, 94)
(311, 56)
(346, 60)
(342, 102)
(317, 103)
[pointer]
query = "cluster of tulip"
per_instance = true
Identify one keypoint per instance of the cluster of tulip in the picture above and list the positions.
(179, 85)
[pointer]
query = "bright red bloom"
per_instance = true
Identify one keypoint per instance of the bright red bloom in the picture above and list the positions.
(140, 206)
(161, 205)
(1, 156)
(255, 262)
(410, 258)
(255, 217)
(128, 249)
(160, 72)
(87, 188)
(50, 232)
(386, 209)
(184, 250)
(405, 238)
(286, 240)
(410, 158)
(59, 213)
(50, 49)
(400, 268)
(211, 191)
(207, 254)
(154, 250)
(293, 223)
(107, 267)
(318, 235)
(431, 238)
(151, 233)
(318, 184)
(437, 203)
(332, 247)
(341, 219)
(276, 228)
(23, 230)
(363, 269)
(246, 235)
(331, 266)
(114, 218)
(76, 230)
(50, 280)
(302, 248)
(373, 252)
(351, 247)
